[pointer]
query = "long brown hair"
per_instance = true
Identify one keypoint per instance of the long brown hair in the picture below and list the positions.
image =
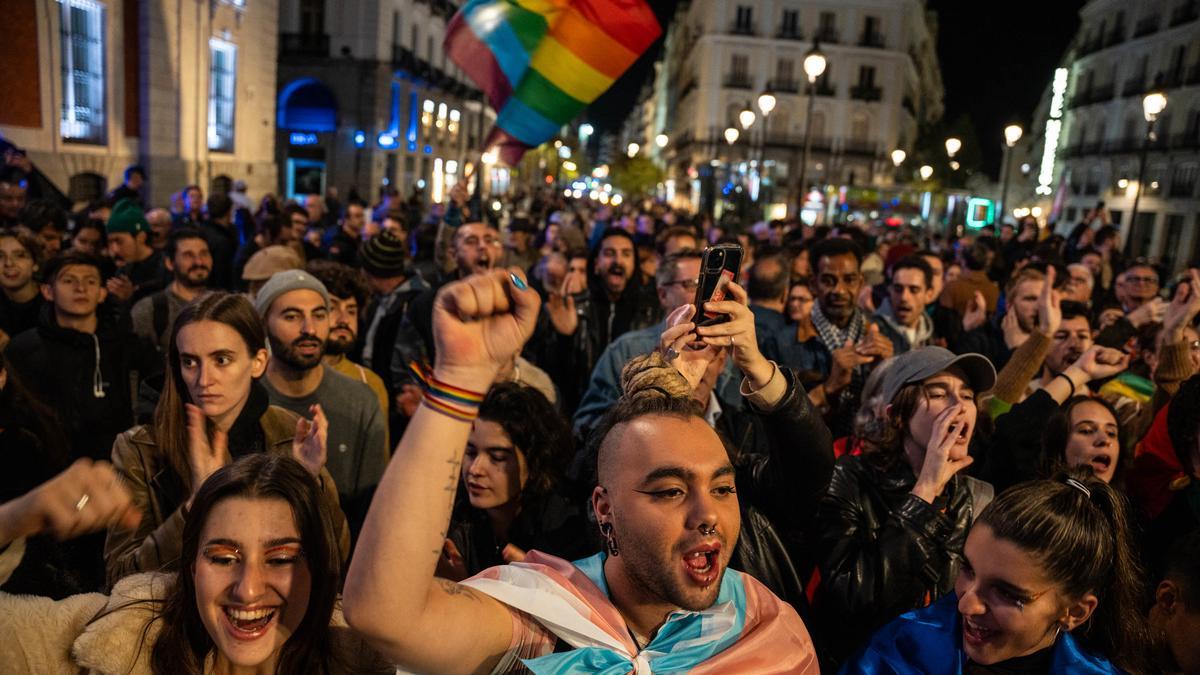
(1084, 540)
(183, 644)
(170, 418)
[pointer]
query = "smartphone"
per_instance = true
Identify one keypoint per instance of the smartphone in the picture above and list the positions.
(718, 268)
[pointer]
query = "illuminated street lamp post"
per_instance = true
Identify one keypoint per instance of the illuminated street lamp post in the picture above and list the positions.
(814, 66)
(1152, 106)
(1012, 134)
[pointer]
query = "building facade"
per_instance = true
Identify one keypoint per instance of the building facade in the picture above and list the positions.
(368, 99)
(881, 83)
(1123, 51)
(185, 89)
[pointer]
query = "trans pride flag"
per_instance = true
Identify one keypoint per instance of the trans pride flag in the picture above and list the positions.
(747, 630)
(541, 62)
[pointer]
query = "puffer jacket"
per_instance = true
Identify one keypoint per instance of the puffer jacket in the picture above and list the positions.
(160, 493)
(884, 551)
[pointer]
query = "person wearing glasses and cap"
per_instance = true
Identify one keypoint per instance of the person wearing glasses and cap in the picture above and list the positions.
(891, 528)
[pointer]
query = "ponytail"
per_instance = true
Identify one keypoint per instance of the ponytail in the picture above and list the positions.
(1078, 528)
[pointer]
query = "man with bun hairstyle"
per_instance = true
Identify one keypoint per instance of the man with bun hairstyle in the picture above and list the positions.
(659, 599)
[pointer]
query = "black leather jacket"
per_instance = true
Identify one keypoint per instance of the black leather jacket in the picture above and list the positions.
(884, 551)
(784, 464)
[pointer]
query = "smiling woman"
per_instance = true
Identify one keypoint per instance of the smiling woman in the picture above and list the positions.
(256, 592)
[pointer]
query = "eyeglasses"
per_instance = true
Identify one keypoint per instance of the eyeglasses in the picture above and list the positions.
(1153, 281)
(688, 284)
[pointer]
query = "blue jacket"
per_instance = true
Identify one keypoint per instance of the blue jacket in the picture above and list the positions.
(929, 641)
(605, 386)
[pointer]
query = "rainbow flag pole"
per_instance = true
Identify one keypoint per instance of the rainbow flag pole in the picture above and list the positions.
(541, 62)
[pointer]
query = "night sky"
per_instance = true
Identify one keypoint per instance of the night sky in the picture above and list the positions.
(997, 57)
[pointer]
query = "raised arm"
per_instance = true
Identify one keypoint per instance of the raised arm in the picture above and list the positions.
(391, 596)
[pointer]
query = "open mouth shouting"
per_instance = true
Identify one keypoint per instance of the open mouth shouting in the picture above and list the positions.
(702, 564)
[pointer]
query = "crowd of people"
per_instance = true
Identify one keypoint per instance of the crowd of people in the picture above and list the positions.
(324, 435)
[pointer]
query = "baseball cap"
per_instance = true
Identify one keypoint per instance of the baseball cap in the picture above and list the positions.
(267, 261)
(918, 364)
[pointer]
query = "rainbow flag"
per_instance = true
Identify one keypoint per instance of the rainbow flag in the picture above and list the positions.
(541, 62)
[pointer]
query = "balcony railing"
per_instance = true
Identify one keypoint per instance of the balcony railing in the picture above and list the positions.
(864, 92)
(303, 44)
(1189, 140)
(1122, 145)
(1188, 11)
(1071, 151)
(1193, 75)
(788, 86)
(828, 35)
(738, 81)
(1115, 36)
(789, 34)
(1090, 148)
(1147, 25)
(742, 29)
(1134, 86)
(1103, 93)
(863, 147)
(825, 89)
(872, 40)
(1080, 98)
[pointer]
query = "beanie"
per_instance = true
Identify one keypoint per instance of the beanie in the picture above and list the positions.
(385, 255)
(282, 282)
(127, 217)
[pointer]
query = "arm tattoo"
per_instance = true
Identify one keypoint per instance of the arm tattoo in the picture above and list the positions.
(451, 588)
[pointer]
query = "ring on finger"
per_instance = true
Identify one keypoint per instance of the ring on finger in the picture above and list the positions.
(83, 501)
(670, 354)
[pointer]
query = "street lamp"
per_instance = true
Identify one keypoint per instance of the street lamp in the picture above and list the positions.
(926, 171)
(731, 135)
(898, 156)
(661, 140)
(1152, 106)
(814, 66)
(632, 150)
(1012, 134)
(766, 102)
(953, 145)
(746, 117)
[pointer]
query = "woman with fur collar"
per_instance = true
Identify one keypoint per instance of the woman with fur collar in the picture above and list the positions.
(256, 591)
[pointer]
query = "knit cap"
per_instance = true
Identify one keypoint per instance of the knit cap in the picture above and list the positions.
(283, 282)
(127, 217)
(385, 255)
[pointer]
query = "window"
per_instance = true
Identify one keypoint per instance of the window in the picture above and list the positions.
(1183, 180)
(1115, 215)
(1142, 236)
(866, 77)
(790, 27)
(1174, 240)
(871, 36)
(783, 71)
(828, 27)
(416, 37)
(312, 17)
(221, 90)
(741, 67)
(395, 27)
(745, 19)
(1071, 214)
(82, 71)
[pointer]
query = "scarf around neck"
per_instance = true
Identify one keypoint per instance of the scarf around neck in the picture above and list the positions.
(747, 625)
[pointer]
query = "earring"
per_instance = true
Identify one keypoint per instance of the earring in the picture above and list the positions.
(610, 540)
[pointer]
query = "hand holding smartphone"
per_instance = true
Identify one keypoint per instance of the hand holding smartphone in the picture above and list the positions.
(718, 268)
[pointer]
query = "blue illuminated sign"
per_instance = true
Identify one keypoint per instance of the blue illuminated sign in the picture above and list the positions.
(386, 140)
(302, 138)
(360, 139)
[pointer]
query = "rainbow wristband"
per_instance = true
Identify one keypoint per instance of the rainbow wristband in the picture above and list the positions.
(447, 399)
